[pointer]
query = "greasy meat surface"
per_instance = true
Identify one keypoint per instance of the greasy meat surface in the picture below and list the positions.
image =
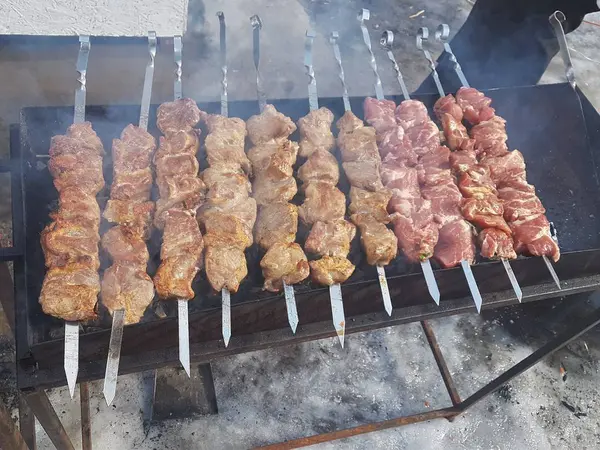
(284, 262)
(367, 203)
(495, 244)
(380, 114)
(323, 203)
(134, 150)
(379, 243)
(225, 141)
(181, 256)
(125, 245)
(475, 105)
(269, 125)
(129, 214)
(455, 244)
(225, 267)
(414, 227)
(178, 115)
(532, 237)
(243, 211)
(78, 206)
(79, 137)
(134, 187)
(322, 166)
(70, 292)
(225, 229)
(330, 270)
(490, 137)
(277, 222)
(364, 174)
(274, 159)
(67, 242)
(315, 132)
(83, 170)
(330, 238)
(126, 286)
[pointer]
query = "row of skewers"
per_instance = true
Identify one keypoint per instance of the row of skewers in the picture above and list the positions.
(439, 200)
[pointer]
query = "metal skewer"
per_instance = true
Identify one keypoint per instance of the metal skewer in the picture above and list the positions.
(441, 35)
(116, 332)
(225, 294)
(71, 358)
(288, 291)
(364, 15)
(183, 323)
(423, 35)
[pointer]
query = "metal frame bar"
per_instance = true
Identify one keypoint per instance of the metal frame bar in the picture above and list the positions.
(459, 406)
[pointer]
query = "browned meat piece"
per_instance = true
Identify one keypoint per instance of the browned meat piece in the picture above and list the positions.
(65, 242)
(320, 166)
(128, 213)
(178, 143)
(133, 151)
(269, 125)
(82, 170)
(364, 174)
(315, 132)
(373, 204)
(244, 211)
(330, 270)
(79, 138)
(266, 191)
(76, 205)
(225, 266)
(330, 238)
(274, 160)
(132, 186)
(348, 123)
(174, 277)
(181, 236)
(358, 145)
(323, 203)
(225, 142)
(127, 287)
(284, 262)
(174, 165)
(379, 243)
(124, 244)
(181, 255)
(277, 222)
(186, 189)
(182, 114)
(214, 176)
(222, 227)
(70, 292)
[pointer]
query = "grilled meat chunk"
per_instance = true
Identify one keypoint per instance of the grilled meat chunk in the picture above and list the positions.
(331, 238)
(277, 222)
(270, 125)
(320, 166)
(284, 263)
(331, 270)
(182, 114)
(127, 287)
(315, 132)
(323, 203)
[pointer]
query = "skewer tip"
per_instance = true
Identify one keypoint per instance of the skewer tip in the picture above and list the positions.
(341, 334)
(109, 394)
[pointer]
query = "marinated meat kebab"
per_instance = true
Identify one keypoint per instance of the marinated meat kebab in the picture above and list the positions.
(481, 206)
(126, 285)
(368, 197)
(523, 210)
(324, 206)
(229, 213)
(273, 157)
(70, 242)
(181, 192)
(425, 199)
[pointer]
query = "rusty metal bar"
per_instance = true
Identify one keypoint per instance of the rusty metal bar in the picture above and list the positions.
(44, 412)
(446, 413)
(441, 363)
(86, 423)
(10, 437)
(27, 424)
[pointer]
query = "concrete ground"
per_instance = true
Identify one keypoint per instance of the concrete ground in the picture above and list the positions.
(274, 395)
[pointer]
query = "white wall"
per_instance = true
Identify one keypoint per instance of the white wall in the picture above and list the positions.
(93, 17)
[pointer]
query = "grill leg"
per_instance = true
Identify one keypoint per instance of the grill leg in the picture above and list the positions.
(10, 437)
(27, 424)
(177, 396)
(86, 424)
(7, 295)
(44, 412)
(441, 363)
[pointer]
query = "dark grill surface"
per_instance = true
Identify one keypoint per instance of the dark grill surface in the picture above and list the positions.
(544, 122)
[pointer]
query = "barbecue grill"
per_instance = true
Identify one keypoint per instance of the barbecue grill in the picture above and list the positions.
(560, 142)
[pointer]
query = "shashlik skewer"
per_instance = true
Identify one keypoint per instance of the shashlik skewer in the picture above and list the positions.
(70, 243)
(273, 156)
(489, 136)
(412, 219)
(127, 289)
(368, 197)
(181, 192)
(324, 206)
